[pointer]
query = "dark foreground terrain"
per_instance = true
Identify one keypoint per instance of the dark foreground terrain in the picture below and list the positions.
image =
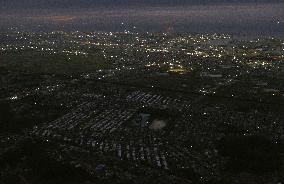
(140, 108)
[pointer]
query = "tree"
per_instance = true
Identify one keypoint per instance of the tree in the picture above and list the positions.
(6, 116)
(256, 154)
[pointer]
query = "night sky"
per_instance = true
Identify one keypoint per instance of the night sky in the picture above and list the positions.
(251, 17)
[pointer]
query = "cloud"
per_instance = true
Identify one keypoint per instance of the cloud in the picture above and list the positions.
(232, 17)
(53, 19)
(14, 4)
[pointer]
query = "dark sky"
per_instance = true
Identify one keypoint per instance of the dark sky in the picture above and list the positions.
(116, 3)
(260, 17)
